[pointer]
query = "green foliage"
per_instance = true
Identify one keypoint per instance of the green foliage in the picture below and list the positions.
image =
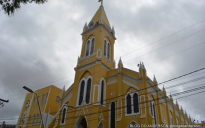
(10, 6)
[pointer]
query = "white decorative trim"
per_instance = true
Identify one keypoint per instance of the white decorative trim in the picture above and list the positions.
(62, 116)
(99, 91)
(170, 106)
(107, 60)
(112, 80)
(67, 96)
(91, 32)
(85, 90)
(86, 66)
(94, 92)
(105, 67)
(103, 26)
(132, 104)
(142, 103)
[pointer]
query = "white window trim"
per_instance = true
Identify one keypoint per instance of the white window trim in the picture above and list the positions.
(104, 93)
(132, 104)
(79, 87)
(90, 77)
(62, 116)
(85, 89)
(89, 49)
(110, 113)
(155, 113)
(107, 42)
(91, 46)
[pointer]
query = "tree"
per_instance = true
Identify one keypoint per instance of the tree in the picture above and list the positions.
(10, 6)
(2, 102)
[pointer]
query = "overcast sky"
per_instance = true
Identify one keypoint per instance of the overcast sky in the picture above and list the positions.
(40, 44)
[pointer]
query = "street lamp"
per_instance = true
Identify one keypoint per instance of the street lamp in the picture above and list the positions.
(47, 117)
(31, 91)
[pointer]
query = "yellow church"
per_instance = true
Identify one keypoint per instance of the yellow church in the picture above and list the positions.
(102, 95)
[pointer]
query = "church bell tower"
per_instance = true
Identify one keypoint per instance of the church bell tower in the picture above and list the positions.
(98, 41)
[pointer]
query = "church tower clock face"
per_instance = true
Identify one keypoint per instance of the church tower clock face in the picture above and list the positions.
(91, 24)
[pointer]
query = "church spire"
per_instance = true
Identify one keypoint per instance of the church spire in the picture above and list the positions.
(101, 17)
(154, 79)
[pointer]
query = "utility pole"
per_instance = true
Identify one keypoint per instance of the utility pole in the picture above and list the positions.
(2, 101)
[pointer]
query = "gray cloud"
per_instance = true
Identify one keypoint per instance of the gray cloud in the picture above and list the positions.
(40, 44)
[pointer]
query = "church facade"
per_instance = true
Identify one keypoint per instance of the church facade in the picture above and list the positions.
(102, 95)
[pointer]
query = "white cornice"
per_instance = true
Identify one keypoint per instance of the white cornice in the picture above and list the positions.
(103, 26)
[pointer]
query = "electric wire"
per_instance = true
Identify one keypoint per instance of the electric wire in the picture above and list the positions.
(143, 94)
(157, 99)
(135, 50)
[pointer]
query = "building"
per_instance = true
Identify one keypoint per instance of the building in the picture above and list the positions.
(103, 95)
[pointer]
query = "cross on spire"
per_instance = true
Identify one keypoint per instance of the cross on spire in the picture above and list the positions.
(101, 2)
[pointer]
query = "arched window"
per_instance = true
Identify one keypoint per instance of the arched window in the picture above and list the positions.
(129, 106)
(88, 91)
(63, 116)
(154, 113)
(135, 101)
(151, 107)
(112, 115)
(100, 125)
(87, 48)
(105, 47)
(108, 50)
(102, 93)
(92, 46)
(81, 92)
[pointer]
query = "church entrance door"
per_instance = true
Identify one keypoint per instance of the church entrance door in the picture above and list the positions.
(82, 123)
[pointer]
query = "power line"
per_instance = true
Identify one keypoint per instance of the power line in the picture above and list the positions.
(142, 103)
(137, 49)
(195, 89)
(157, 60)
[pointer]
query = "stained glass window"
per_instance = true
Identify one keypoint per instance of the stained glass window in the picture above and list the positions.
(63, 116)
(129, 109)
(92, 46)
(108, 50)
(105, 47)
(88, 91)
(81, 92)
(87, 48)
(102, 92)
(135, 101)
(112, 119)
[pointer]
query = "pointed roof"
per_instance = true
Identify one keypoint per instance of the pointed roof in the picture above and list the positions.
(154, 79)
(120, 61)
(101, 15)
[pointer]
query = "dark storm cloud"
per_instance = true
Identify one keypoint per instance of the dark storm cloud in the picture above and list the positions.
(40, 44)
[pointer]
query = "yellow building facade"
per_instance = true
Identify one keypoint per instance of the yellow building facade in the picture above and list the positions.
(102, 95)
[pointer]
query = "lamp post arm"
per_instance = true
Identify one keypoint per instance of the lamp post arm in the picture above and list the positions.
(39, 107)
(59, 109)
